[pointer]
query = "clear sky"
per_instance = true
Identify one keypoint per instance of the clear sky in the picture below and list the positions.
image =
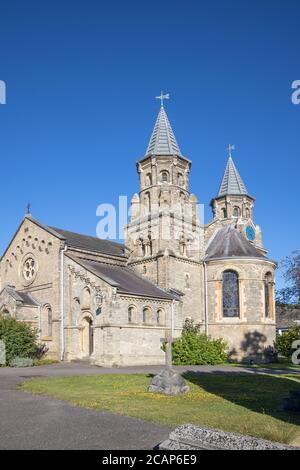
(81, 78)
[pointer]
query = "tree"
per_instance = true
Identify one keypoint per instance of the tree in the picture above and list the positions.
(285, 341)
(291, 293)
(19, 338)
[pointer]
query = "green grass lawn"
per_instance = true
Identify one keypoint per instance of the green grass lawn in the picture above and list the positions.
(240, 403)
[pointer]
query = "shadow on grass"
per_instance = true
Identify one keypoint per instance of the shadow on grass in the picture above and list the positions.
(259, 393)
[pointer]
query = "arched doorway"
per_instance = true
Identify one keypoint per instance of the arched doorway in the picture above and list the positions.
(87, 337)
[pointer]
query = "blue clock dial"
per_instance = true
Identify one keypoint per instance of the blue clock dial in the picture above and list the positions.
(250, 233)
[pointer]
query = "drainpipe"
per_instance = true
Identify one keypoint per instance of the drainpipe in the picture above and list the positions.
(40, 322)
(62, 304)
(172, 319)
(205, 298)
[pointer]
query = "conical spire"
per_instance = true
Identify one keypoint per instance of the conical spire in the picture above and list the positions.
(163, 141)
(232, 182)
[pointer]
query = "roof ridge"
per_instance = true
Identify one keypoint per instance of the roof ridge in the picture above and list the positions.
(85, 235)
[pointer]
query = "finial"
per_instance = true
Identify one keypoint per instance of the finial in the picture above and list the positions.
(230, 148)
(28, 207)
(163, 97)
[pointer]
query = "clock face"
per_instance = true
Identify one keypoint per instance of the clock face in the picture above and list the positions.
(250, 233)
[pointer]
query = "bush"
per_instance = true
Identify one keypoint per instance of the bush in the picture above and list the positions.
(21, 362)
(19, 338)
(284, 341)
(198, 349)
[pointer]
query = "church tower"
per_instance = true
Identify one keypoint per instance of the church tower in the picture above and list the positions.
(164, 235)
(234, 205)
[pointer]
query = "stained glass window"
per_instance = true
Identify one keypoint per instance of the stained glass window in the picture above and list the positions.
(231, 307)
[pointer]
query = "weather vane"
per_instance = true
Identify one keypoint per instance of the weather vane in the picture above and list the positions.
(28, 207)
(163, 97)
(230, 148)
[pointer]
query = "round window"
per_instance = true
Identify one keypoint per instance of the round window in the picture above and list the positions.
(29, 269)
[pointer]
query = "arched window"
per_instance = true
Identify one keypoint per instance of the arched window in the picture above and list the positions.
(182, 247)
(164, 177)
(148, 179)
(224, 213)
(132, 314)
(231, 304)
(75, 311)
(268, 288)
(179, 179)
(49, 318)
(46, 321)
(182, 198)
(147, 202)
(86, 298)
(236, 212)
(247, 213)
(146, 315)
(160, 317)
(187, 280)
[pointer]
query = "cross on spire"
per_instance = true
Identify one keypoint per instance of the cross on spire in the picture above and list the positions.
(229, 149)
(163, 97)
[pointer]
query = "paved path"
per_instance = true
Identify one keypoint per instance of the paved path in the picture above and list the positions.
(37, 422)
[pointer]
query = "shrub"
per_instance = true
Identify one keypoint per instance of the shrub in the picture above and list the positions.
(20, 339)
(21, 362)
(190, 327)
(284, 341)
(198, 349)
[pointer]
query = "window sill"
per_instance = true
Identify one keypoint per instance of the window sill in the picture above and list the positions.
(46, 338)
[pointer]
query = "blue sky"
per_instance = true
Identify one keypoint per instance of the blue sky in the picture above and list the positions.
(81, 78)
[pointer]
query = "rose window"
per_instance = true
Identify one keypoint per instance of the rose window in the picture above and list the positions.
(29, 269)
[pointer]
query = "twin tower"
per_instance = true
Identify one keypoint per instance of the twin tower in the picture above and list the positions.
(170, 245)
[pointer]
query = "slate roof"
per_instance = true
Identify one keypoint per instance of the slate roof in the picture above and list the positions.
(228, 242)
(125, 279)
(232, 182)
(287, 317)
(163, 140)
(86, 242)
(23, 297)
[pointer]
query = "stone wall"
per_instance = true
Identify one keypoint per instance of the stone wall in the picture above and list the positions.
(116, 340)
(32, 241)
(251, 332)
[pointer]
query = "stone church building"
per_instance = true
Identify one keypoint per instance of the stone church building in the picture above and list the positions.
(111, 304)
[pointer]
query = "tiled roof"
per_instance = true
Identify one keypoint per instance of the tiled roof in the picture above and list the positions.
(23, 297)
(125, 279)
(232, 182)
(86, 242)
(163, 141)
(228, 242)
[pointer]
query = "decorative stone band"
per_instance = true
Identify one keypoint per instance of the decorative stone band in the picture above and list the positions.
(193, 437)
